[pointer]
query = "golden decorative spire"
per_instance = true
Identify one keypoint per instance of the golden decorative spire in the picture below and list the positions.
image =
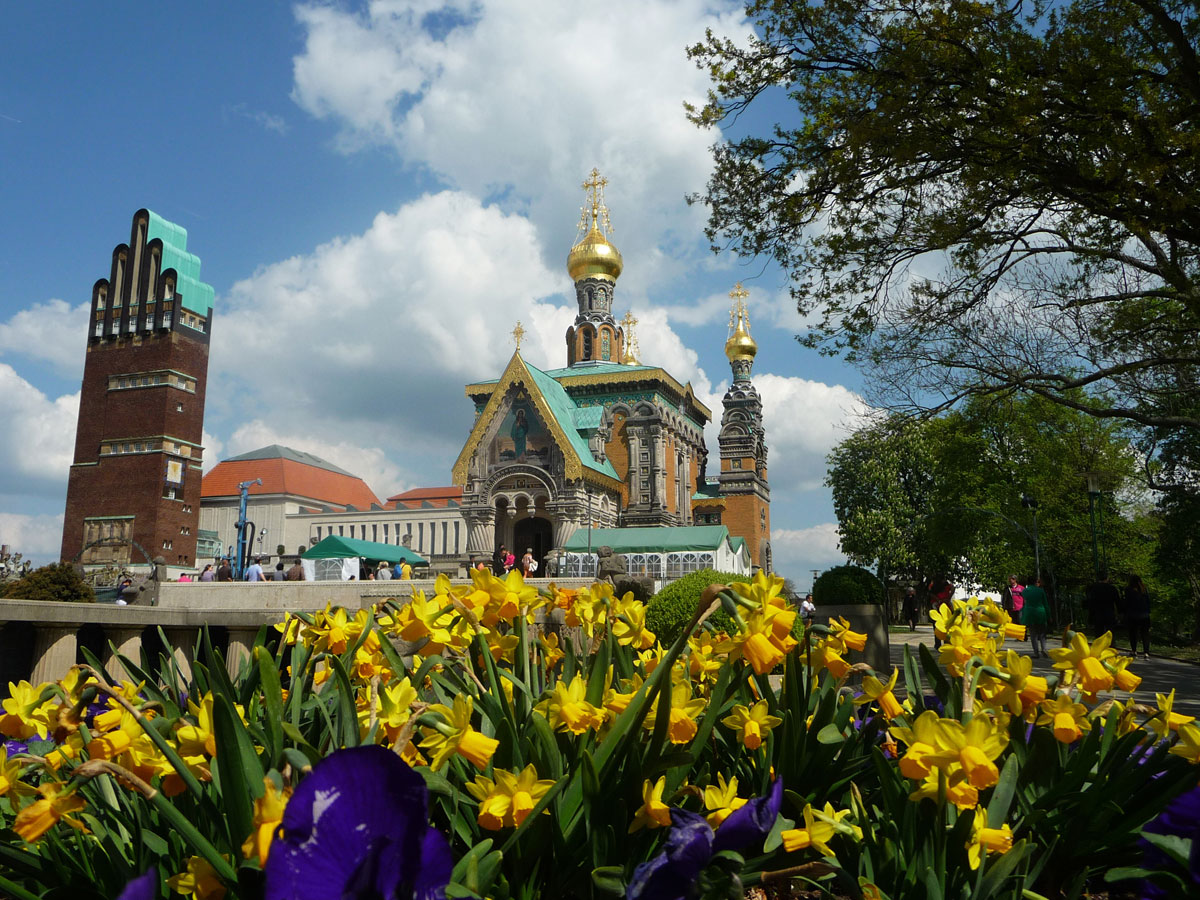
(517, 334)
(740, 345)
(630, 356)
(593, 256)
(594, 206)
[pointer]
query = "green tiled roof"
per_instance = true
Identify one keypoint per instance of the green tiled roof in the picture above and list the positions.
(563, 408)
(588, 418)
(598, 369)
(652, 539)
(195, 294)
(707, 491)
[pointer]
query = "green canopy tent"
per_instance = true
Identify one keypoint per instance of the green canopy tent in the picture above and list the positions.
(339, 558)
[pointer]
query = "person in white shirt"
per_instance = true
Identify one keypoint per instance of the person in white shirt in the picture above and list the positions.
(255, 572)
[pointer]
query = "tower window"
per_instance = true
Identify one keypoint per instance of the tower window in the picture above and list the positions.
(587, 343)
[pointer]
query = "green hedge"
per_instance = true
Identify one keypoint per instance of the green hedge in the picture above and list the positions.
(57, 581)
(671, 608)
(847, 584)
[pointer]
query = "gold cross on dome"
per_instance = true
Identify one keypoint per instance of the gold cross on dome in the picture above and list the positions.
(594, 208)
(737, 313)
(517, 334)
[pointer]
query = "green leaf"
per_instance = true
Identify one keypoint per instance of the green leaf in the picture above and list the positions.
(236, 769)
(1002, 796)
(609, 880)
(272, 697)
(1176, 847)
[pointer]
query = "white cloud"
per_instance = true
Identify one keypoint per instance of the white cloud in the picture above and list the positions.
(371, 464)
(53, 332)
(520, 100)
(797, 551)
(803, 420)
(35, 537)
(39, 442)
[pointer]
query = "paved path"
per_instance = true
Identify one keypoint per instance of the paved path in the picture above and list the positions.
(1158, 675)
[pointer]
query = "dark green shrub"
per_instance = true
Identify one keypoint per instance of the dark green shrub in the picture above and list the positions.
(57, 581)
(671, 608)
(847, 584)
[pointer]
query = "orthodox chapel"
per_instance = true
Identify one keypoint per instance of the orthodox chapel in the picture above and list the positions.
(607, 450)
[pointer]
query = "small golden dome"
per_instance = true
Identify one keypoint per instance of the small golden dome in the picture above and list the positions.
(594, 257)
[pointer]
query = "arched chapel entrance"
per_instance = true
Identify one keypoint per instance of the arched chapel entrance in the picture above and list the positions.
(536, 533)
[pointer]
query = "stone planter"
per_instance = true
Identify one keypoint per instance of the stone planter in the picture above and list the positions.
(871, 619)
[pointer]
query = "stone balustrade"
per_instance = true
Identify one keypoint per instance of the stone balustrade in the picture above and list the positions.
(40, 640)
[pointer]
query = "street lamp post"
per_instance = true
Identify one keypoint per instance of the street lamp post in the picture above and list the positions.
(1031, 503)
(1093, 489)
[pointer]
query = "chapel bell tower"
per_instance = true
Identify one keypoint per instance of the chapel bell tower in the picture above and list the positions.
(594, 264)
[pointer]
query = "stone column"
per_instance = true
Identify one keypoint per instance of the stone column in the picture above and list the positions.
(128, 642)
(183, 649)
(54, 650)
(241, 640)
(481, 534)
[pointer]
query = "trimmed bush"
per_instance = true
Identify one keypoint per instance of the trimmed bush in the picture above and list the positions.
(671, 608)
(57, 581)
(847, 584)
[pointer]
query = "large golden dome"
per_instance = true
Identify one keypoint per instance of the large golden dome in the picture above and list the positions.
(594, 257)
(740, 345)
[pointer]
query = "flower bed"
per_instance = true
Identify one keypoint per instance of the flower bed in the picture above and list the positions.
(505, 763)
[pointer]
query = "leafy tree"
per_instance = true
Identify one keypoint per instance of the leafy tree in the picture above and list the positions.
(57, 581)
(974, 197)
(945, 495)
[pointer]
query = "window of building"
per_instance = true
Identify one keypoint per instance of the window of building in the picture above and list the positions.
(166, 545)
(318, 532)
(445, 529)
(375, 533)
(178, 407)
(587, 343)
(340, 533)
(420, 537)
(456, 544)
(385, 532)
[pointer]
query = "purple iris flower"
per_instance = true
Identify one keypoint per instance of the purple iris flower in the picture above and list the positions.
(671, 874)
(357, 827)
(144, 887)
(691, 844)
(1181, 818)
(11, 748)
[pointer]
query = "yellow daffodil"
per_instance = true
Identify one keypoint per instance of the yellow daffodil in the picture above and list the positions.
(1188, 745)
(816, 834)
(752, 724)
(56, 803)
(454, 734)
(11, 784)
(629, 624)
(684, 711)
(551, 653)
(509, 799)
(268, 815)
(1083, 663)
(1067, 718)
(851, 640)
(567, 709)
(1167, 720)
(721, 799)
(874, 689)
(653, 813)
(26, 714)
(986, 840)
(199, 880)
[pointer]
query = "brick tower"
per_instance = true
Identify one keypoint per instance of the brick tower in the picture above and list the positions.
(134, 487)
(743, 478)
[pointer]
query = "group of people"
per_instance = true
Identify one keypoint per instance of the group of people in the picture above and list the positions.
(504, 560)
(1105, 601)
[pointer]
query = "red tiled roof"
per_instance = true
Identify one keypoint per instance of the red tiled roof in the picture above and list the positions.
(286, 476)
(437, 497)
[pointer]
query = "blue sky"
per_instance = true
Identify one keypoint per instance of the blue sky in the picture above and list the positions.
(378, 192)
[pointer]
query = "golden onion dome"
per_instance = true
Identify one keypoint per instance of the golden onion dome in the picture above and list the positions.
(594, 257)
(740, 345)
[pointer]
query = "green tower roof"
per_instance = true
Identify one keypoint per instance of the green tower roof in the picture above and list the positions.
(194, 293)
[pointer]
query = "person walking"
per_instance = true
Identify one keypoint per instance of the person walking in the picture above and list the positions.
(1137, 615)
(384, 572)
(1102, 601)
(225, 571)
(498, 559)
(1036, 615)
(1016, 592)
(908, 609)
(209, 573)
